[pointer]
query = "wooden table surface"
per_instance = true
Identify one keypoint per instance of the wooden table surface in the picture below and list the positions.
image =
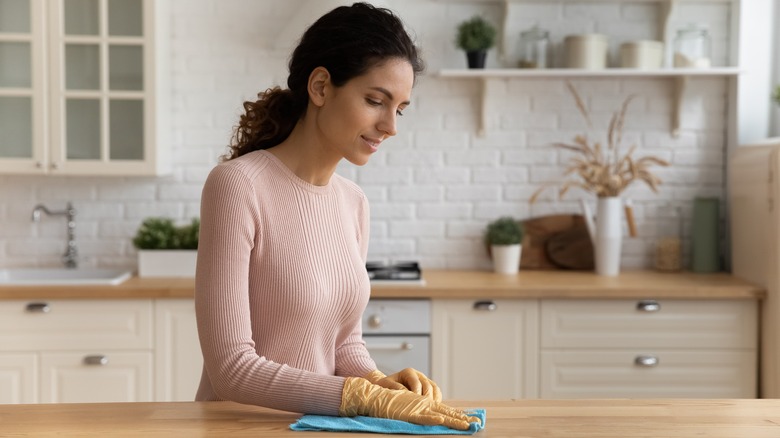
(639, 284)
(518, 418)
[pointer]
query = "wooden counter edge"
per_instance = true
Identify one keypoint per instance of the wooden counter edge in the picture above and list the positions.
(441, 284)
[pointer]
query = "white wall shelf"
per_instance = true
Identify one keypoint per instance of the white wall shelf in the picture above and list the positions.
(679, 75)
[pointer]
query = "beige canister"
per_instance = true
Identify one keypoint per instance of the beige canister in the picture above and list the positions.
(587, 51)
(642, 54)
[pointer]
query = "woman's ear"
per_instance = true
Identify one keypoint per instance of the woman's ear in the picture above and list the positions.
(319, 80)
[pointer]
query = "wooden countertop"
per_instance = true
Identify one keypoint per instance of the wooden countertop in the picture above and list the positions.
(458, 284)
(515, 418)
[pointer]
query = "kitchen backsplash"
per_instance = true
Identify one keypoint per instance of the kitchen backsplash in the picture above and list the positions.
(433, 187)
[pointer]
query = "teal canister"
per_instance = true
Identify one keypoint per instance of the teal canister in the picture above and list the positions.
(705, 235)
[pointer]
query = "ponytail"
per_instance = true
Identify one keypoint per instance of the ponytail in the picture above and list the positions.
(266, 122)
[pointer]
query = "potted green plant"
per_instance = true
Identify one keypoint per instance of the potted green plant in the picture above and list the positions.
(504, 236)
(165, 249)
(475, 36)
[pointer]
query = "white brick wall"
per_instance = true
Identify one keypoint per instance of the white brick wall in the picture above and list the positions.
(435, 186)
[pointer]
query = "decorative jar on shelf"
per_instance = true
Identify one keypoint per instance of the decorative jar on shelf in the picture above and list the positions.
(587, 51)
(534, 48)
(692, 47)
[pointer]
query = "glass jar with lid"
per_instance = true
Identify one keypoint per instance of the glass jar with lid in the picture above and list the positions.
(692, 47)
(668, 246)
(534, 48)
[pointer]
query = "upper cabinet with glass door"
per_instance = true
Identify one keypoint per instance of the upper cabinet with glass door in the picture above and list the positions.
(103, 98)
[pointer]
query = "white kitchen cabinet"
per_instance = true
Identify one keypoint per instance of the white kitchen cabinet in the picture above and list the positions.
(83, 87)
(89, 377)
(485, 349)
(178, 359)
(18, 378)
(78, 350)
(648, 348)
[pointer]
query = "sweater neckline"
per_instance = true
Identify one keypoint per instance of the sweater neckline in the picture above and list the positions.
(313, 188)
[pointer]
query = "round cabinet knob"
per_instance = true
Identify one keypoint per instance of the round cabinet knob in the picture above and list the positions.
(407, 346)
(55, 166)
(38, 308)
(374, 321)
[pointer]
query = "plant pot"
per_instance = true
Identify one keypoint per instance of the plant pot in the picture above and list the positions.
(506, 258)
(476, 58)
(167, 263)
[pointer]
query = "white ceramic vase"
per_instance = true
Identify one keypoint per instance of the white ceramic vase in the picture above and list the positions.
(167, 263)
(506, 258)
(606, 233)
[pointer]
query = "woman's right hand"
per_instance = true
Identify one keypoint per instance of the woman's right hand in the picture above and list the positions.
(361, 397)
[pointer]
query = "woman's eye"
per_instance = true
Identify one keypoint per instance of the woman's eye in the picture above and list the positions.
(399, 112)
(373, 102)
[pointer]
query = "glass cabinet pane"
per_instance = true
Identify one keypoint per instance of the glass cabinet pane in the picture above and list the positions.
(15, 16)
(83, 129)
(82, 67)
(82, 17)
(125, 67)
(127, 129)
(15, 127)
(15, 65)
(125, 17)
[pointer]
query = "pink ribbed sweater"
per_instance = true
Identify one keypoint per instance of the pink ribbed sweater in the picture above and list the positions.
(281, 286)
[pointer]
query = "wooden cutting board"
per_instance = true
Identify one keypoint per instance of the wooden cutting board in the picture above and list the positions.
(559, 241)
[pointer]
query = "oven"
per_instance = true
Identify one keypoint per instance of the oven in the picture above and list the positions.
(397, 333)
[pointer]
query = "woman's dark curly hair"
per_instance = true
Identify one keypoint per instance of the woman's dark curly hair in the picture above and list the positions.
(347, 41)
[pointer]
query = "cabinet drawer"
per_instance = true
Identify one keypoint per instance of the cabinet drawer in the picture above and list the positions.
(649, 324)
(80, 377)
(614, 374)
(75, 324)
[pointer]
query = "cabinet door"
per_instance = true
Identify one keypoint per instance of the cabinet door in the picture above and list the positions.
(89, 377)
(485, 349)
(22, 82)
(178, 360)
(75, 325)
(18, 378)
(643, 374)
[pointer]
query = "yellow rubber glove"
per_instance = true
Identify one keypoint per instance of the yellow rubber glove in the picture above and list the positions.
(361, 397)
(407, 378)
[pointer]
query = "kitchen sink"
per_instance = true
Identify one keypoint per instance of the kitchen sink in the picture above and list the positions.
(62, 276)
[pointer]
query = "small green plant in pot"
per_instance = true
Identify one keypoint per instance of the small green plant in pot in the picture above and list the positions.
(475, 36)
(504, 236)
(165, 249)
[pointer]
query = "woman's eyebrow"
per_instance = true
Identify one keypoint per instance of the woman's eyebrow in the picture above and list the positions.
(389, 95)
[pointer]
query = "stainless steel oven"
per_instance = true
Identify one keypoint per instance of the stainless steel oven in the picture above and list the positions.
(398, 334)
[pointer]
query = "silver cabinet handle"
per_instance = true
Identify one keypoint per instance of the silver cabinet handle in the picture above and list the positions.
(98, 359)
(646, 360)
(648, 306)
(485, 305)
(38, 308)
(374, 321)
(402, 346)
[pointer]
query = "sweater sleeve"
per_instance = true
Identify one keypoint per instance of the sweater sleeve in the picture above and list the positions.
(352, 357)
(229, 227)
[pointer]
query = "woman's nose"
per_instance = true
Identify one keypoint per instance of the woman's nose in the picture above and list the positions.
(388, 125)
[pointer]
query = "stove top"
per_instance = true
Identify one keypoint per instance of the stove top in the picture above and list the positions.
(399, 272)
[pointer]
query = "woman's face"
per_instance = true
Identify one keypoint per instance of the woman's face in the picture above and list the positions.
(356, 117)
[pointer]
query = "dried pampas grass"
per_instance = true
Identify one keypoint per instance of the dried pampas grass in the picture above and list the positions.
(604, 172)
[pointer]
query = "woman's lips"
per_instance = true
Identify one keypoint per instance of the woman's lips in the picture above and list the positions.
(372, 143)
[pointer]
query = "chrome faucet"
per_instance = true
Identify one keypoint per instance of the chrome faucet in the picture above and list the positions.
(70, 258)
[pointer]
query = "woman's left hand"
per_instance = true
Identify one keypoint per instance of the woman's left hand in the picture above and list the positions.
(407, 378)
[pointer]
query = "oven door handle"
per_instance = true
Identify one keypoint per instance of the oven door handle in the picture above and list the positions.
(401, 346)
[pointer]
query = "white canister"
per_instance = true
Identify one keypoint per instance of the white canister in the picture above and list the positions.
(587, 51)
(642, 54)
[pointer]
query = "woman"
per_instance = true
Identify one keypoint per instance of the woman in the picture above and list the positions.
(281, 283)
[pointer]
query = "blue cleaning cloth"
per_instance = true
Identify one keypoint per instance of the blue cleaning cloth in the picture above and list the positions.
(381, 425)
